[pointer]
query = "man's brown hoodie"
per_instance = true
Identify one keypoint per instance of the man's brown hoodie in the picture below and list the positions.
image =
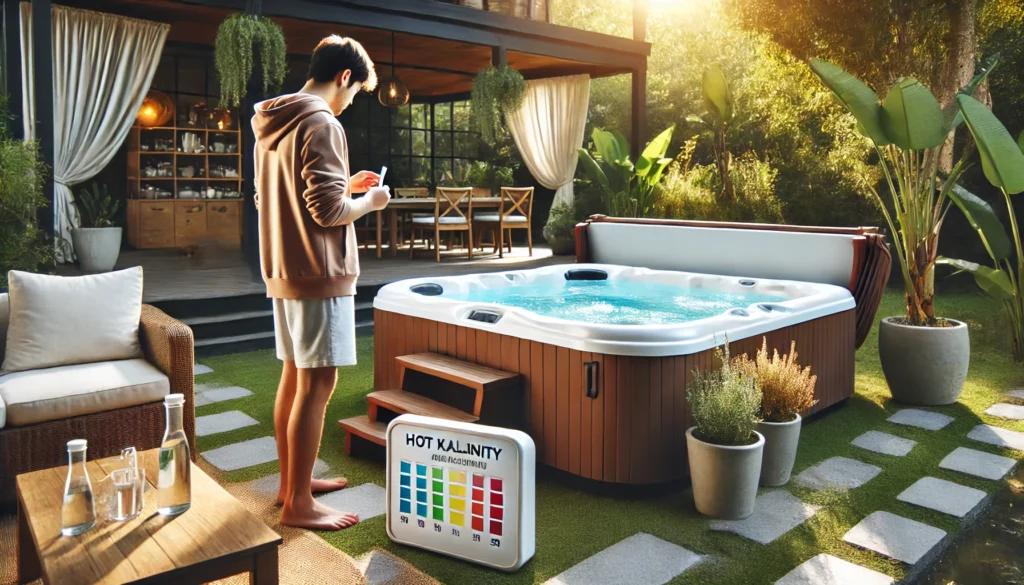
(307, 247)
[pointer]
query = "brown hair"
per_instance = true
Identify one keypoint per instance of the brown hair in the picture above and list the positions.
(335, 54)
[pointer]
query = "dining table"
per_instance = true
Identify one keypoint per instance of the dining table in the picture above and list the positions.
(399, 205)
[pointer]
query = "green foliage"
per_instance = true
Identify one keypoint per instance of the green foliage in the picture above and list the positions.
(719, 110)
(23, 245)
(95, 208)
(561, 224)
(497, 91)
(692, 191)
(724, 403)
(627, 190)
(239, 37)
(786, 388)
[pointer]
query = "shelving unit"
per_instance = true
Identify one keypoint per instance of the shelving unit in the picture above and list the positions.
(174, 210)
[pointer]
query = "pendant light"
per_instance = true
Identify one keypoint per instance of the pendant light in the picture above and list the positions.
(393, 92)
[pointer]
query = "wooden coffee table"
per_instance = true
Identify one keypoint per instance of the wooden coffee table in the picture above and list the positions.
(215, 538)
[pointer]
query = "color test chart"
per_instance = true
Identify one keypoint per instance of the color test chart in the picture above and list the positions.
(462, 489)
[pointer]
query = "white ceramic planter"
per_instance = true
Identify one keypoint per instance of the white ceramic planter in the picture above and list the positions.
(780, 444)
(97, 248)
(924, 366)
(724, 477)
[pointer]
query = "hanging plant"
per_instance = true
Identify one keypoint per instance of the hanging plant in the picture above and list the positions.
(238, 38)
(496, 92)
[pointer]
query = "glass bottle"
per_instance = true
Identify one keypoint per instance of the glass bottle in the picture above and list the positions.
(174, 483)
(78, 514)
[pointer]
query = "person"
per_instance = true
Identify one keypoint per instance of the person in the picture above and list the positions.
(309, 260)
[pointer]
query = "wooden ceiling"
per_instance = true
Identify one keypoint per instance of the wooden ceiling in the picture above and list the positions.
(429, 66)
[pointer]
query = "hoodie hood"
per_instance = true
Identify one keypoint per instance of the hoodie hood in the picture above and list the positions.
(276, 118)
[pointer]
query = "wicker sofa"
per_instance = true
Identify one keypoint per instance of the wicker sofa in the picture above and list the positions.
(166, 344)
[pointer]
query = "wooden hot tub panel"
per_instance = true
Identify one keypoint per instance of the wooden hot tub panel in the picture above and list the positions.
(633, 430)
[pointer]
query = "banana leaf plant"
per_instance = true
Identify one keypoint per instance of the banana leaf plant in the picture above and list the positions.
(719, 110)
(95, 208)
(1002, 160)
(628, 189)
(908, 129)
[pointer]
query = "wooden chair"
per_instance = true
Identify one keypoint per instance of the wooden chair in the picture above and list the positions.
(514, 212)
(448, 217)
(409, 193)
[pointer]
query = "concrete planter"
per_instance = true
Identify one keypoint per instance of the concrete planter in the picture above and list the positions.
(724, 477)
(924, 366)
(780, 443)
(97, 248)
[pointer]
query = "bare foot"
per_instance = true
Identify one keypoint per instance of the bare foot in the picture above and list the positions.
(317, 517)
(317, 486)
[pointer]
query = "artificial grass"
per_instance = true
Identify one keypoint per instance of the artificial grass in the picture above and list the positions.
(574, 523)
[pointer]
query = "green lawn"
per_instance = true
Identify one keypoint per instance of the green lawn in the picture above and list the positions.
(574, 524)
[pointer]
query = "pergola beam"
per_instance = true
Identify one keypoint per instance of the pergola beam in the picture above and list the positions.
(638, 94)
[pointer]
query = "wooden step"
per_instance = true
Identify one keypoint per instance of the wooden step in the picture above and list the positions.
(401, 402)
(361, 426)
(475, 376)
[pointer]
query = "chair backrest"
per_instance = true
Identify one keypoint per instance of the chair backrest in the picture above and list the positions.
(481, 192)
(412, 192)
(516, 199)
(448, 200)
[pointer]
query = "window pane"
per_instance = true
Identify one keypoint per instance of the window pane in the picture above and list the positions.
(460, 115)
(357, 114)
(420, 143)
(442, 143)
(360, 162)
(442, 170)
(379, 160)
(419, 115)
(442, 116)
(379, 142)
(465, 144)
(401, 117)
(358, 139)
(399, 141)
(163, 79)
(192, 75)
(379, 115)
(420, 171)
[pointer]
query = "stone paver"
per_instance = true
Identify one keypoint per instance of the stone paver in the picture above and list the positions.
(978, 463)
(775, 513)
(199, 369)
(941, 495)
(884, 443)
(895, 536)
(1003, 410)
(202, 400)
(244, 454)
(837, 473)
(1018, 393)
(269, 485)
(641, 559)
(226, 393)
(223, 422)
(367, 500)
(997, 436)
(924, 419)
(826, 569)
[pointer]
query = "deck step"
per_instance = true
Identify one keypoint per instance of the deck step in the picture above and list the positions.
(476, 376)
(361, 426)
(402, 402)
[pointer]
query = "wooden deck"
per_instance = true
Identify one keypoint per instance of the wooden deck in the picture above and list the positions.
(172, 275)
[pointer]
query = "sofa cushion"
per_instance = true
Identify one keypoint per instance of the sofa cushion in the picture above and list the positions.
(35, 396)
(58, 320)
(5, 317)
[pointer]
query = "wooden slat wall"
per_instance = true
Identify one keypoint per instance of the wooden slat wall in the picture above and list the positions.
(634, 432)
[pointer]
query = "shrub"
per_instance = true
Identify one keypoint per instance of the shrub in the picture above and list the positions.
(724, 403)
(691, 192)
(786, 389)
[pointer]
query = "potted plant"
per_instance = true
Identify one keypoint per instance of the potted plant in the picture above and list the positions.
(560, 231)
(241, 38)
(924, 358)
(97, 241)
(723, 447)
(786, 391)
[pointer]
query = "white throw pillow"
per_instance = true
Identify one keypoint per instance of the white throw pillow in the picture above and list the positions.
(60, 320)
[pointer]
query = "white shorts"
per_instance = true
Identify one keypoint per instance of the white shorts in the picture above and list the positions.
(316, 333)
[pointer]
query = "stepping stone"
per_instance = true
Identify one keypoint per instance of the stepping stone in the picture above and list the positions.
(978, 463)
(367, 501)
(838, 473)
(201, 400)
(269, 485)
(226, 393)
(941, 495)
(826, 569)
(895, 537)
(379, 567)
(775, 513)
(244, 454)
(199, 369)
(997, 436)
(1010, 411)
(641, 559)
(223, 422)
(884, 443)
(924, 419)
(1018, 393)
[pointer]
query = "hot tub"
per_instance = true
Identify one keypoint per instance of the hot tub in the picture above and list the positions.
(605, 352)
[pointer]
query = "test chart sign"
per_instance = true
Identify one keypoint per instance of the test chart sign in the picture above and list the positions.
(462, 489)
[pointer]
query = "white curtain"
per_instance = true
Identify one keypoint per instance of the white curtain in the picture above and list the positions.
(548, 130)
(102, 67)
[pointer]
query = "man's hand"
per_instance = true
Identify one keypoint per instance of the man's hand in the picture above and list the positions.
(378, 197)
(362, 181)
